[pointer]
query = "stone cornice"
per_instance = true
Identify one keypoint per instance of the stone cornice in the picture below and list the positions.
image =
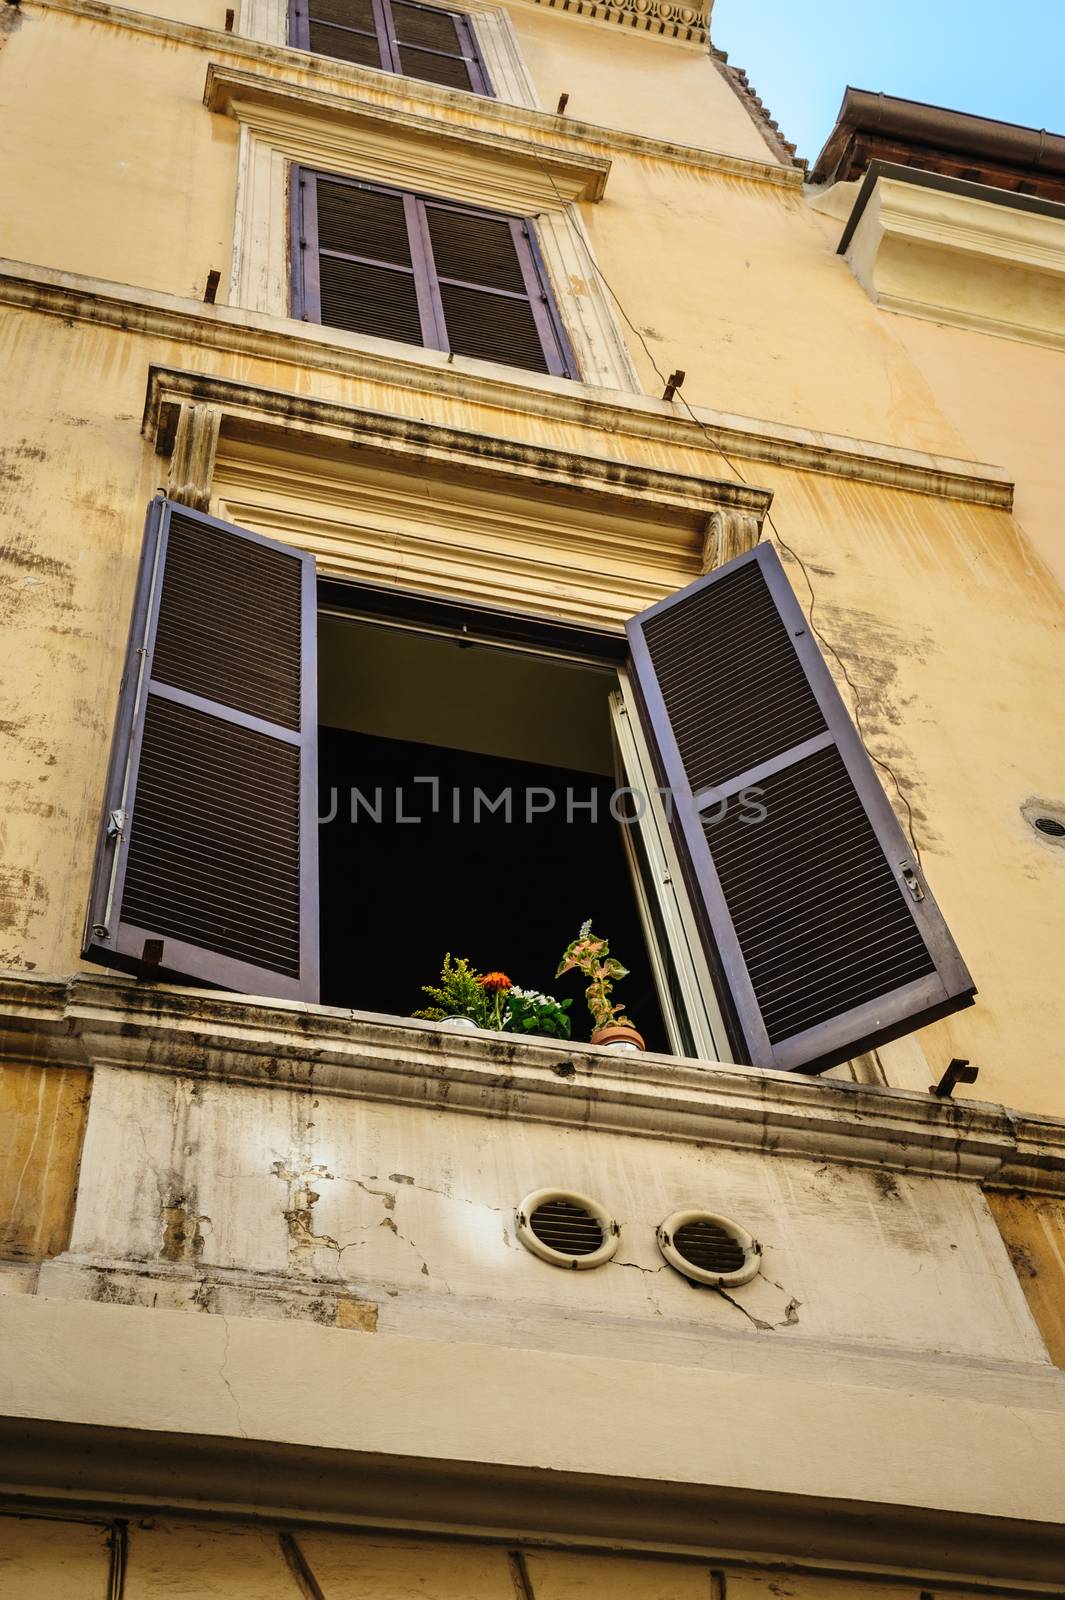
(323, 349)
(551, 175)
(314, 72)
(663, 17)
(158, 1028)
(643, 492)
(959, 253)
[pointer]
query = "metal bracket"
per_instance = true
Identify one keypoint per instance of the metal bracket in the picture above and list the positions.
(959, 1071)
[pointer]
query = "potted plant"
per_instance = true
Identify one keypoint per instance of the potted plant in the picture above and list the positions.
(466, 998)
(459, 998)
(591, 956)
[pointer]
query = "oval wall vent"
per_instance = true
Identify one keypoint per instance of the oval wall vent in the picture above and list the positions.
(567, 1229)
(709, 1249)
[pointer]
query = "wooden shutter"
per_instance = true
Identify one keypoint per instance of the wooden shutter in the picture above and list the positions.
(360, 264)
(383, 262)
(492, 291)
(349, 30)
(207, 864)
(816, 914)
(435, 45)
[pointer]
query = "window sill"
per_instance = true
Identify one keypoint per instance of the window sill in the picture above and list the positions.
(90, 1019)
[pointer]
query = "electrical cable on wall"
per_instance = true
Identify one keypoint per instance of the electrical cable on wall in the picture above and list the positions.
(708, 434)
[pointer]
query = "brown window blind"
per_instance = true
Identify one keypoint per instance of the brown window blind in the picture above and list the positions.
(818, 922)
(418, 41)
(206, 865)
(424, 271)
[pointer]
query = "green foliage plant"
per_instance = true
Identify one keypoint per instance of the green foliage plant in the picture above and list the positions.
(459, 993)
(533, 1013)
(591, 956)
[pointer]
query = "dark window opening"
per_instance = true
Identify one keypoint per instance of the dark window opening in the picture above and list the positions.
(398, 707)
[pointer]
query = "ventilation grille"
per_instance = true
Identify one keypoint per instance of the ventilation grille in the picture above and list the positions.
(709, 1246)
(820, 917)
(229, 622)
(214, 840)
(567, 1228)
(734, 688)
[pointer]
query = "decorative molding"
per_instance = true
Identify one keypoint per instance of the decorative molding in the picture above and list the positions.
(497, 42)
(428, 99)
(311, 349)
(647, 493)
(85, 1020)
(937, 248)
(664, 17)
(402, 147)
(729, 534)
(193, 457)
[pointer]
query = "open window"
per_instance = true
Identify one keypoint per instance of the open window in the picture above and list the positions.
(484, 782)
(423, 271)
(418, 41)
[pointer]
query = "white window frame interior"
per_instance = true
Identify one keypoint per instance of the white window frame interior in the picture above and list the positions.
(702, 1015)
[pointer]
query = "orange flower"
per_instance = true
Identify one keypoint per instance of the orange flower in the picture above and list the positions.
(495, 982)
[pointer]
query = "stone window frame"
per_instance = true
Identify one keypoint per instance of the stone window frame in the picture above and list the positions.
(283, 126)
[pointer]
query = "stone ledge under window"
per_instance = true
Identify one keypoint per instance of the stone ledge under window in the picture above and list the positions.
(85, 1020)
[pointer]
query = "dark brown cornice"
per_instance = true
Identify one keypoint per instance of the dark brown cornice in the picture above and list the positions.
(879, 127)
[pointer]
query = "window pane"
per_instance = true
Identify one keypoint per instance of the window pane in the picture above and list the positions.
(371, 300)
(475, 249)
(451, 71)
(434, 29)
(362, 223)
(494, 327)
(348, 13)
(360, 48)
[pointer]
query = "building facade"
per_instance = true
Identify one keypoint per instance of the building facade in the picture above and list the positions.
(462, 474)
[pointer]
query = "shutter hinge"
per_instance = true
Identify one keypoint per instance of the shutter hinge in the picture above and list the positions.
(116, 823)
(911, 880)
(303, 244)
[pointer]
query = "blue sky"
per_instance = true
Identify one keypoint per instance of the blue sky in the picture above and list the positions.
(1005, 61)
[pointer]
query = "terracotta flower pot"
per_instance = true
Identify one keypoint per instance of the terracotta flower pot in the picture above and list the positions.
(617, 1036)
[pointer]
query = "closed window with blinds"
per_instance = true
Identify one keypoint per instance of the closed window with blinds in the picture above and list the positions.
(418, 41)
(431, 272)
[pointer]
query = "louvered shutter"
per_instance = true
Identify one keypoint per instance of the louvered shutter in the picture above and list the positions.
(492, 291)
(360, 264)
(817, 918)
(207, 864)
(349, 30)
(435, 45)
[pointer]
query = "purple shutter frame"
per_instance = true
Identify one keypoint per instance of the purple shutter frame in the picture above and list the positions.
(299, 35)
(766, 676)
(110, 937)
